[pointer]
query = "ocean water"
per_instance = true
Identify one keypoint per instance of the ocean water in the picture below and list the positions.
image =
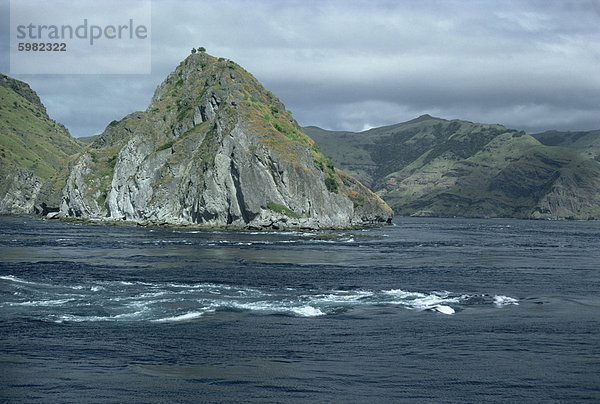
(426, 310)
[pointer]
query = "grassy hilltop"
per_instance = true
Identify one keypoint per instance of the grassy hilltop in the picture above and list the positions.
(28, 137)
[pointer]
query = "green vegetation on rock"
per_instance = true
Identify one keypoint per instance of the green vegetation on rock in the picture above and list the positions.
(585, 143)
(331, 184)
(29, 138)
(166, 145)
(276, 207)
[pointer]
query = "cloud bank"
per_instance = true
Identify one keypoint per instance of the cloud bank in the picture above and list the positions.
(352, 65)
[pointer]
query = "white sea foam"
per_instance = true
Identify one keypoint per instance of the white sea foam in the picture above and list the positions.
(501, 301)
(165, 302)
(403, 294)
(83, 319)
(444, 309)
(435, 301)
(80, 319)
(23, 281)
(184, 317)
(40, 303)
(299, 309)
(308, 311)
(15, 279)
(344, 296)
(251, 306)
(151, 294)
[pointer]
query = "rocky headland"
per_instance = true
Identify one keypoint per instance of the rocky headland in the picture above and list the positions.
(215, 149)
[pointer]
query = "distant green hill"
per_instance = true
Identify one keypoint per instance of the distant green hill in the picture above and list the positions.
(435, 167)
(586, 143)
(33, 147)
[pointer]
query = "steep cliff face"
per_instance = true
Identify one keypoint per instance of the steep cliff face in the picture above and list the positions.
(214, 148)
(33, 147)
(19, 189)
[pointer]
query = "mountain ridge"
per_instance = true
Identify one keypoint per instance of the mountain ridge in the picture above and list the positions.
(435, 167)
(427, 166)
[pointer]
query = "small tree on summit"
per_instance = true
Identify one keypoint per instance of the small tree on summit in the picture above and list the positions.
(193, 50)
(202, 49)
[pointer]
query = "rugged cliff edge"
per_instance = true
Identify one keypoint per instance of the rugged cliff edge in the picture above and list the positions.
(33, 147)
(214, 148)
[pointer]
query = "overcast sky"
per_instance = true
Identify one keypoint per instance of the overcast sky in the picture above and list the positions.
(353, 65)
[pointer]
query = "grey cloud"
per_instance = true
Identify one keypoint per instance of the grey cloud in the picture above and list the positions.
(87, 104)
(351, 65)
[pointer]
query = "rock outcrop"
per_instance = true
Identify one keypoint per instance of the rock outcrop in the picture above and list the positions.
(19, 189)
(215, 149)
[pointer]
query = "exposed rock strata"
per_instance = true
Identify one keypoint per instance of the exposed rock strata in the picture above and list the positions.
(19, 189)
(215, 149)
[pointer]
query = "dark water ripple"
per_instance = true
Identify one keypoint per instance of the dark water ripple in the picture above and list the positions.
(428, 310)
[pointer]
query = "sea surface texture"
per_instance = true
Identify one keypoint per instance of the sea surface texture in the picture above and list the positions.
(426, 310)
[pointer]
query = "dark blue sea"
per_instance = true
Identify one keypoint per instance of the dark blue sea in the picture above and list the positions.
(426, 310)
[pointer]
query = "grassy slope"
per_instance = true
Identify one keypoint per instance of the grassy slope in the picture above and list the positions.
(430, 166)
(428, 176)
(348, 150)
(586, 143)
(29, 138)
(378, 153)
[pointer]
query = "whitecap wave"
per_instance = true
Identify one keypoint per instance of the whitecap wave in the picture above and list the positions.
(433, 301)
(344, 297)
(308, 311)
(17, 280)
(183, 317)
(444, 309)
(39, 303)
(79, 319)
(501, 301)
(277, 307)
(121, 300)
